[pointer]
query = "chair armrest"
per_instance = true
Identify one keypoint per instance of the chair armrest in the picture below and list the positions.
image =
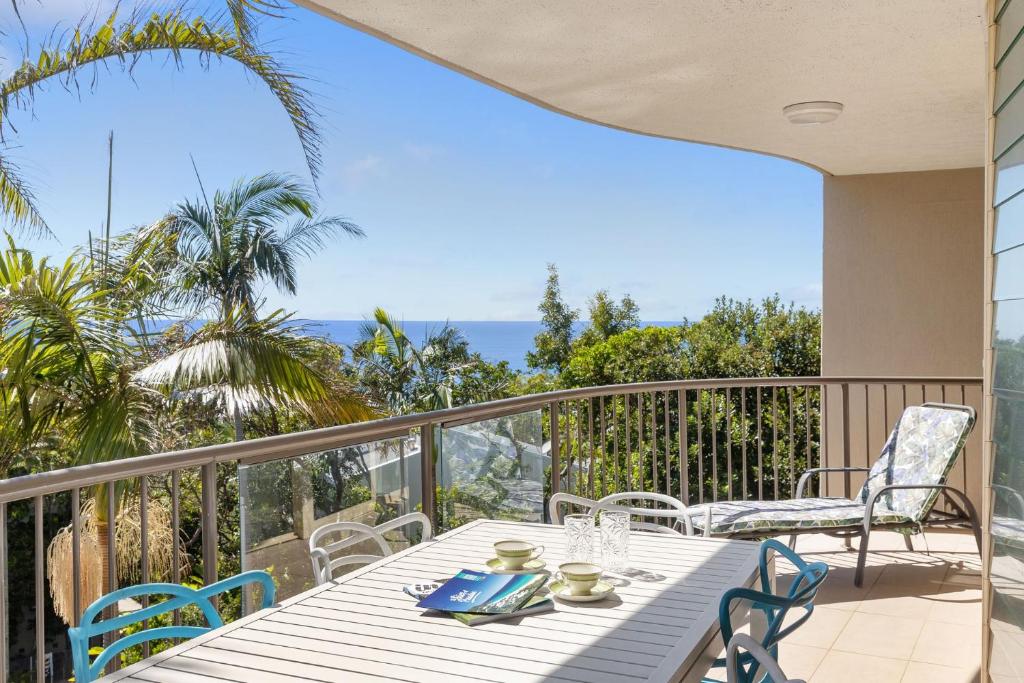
(806, 476)
(869, 509)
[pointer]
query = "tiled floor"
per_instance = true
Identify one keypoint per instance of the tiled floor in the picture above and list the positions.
(917, 618)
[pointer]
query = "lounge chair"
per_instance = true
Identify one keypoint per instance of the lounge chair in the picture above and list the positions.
(900, 492)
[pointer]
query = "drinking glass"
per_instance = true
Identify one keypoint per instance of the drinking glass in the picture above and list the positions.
(615, 540)
(579, 538)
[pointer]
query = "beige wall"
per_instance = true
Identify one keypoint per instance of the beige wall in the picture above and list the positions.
(897, 248)
(902, 297)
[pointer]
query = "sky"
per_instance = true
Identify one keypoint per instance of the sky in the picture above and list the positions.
(465, 192)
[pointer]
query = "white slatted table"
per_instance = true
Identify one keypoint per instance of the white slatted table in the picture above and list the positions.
(662, 626)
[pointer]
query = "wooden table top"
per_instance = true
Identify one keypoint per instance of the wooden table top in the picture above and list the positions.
(661, 624)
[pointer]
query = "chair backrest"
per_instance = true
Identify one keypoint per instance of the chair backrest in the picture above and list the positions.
(733, 655)
(922, 449)
(325, 557)
(555, 503)
(178, 597)
(675, 511)
(799, 595)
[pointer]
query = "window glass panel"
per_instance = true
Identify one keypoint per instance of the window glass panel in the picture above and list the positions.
(1009, 124)
(1010, 24)
(1009, 275)
(1009, 76)
(1009, 174)
(1009, 225)
(283, 501)
(495, 469)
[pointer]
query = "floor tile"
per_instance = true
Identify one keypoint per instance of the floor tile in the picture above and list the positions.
(879, 635)
(897, 600)
(948, 644)
(844, 667)
(957, 607)
(918, 672)
(800, 661)
(822, 629)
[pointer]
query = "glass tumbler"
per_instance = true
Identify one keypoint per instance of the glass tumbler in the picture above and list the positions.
(579, 538)
(615, 540)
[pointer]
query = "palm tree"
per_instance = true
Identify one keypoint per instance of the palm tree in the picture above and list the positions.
(402, 378)
(222, 253)
(68, 353)
(245, 363)
(228, 248)
(64, 57)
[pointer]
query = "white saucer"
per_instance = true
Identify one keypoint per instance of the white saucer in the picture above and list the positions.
(599, 592)
(531, 567)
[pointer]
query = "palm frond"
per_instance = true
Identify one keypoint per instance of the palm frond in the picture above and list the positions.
(123, 43)
(256, 361)
(17, 202)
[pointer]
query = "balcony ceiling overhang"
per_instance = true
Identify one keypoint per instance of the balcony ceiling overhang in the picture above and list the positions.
(911, 74)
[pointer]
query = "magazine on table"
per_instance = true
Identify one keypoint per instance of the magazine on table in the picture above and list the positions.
(476, 592)
(538, 604)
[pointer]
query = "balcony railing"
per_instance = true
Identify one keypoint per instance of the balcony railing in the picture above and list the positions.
(698, 440)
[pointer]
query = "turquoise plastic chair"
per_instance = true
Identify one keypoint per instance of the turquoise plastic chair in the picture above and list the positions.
(740, 642)
(800, 595)
(179, 597)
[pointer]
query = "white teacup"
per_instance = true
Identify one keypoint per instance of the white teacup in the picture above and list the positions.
(581, 577)
(515, 553)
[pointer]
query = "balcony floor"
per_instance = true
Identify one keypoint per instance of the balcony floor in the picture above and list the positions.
(917, 618)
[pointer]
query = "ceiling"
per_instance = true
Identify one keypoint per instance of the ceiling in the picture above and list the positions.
(910, 73)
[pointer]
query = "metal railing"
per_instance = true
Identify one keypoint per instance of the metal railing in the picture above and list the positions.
(698, 440)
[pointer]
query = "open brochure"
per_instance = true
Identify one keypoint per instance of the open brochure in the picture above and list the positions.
(476, 592)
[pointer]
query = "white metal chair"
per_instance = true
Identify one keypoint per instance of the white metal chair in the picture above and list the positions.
(768, 664)
(619, 502)
(321, 556)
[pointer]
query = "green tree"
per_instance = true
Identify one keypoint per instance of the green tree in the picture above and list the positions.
(553, 345)
(649, 354)
(744, 339)
(222, 252)
(400, 377)
(225, 250)
(608, 318)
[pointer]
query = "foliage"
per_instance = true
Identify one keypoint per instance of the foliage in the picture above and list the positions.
(743, 339)
(246, 364)
(554, 343)
(608, 318)
(224, 250)
(64, 58)
(649, 354)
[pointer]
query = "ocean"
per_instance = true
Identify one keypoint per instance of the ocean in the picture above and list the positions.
(494, 340)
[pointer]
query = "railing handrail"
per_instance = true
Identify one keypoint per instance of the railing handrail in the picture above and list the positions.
(311, 441)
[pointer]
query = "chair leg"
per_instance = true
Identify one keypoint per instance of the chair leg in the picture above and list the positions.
(792, 541)
(907, 542)
(862, 556)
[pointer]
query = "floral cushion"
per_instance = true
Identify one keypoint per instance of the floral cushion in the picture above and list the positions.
(921, 450)
(786, 515)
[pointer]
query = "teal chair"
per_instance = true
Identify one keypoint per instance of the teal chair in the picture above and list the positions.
(740, 642)
(178, 597)
(800, 596)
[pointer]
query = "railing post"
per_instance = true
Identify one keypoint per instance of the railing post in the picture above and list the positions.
(209, 522)
(556, 446)
(846, 437)
(428, 472)
(4, 622)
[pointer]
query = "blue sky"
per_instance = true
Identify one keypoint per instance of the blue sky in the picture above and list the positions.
(465, 192)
